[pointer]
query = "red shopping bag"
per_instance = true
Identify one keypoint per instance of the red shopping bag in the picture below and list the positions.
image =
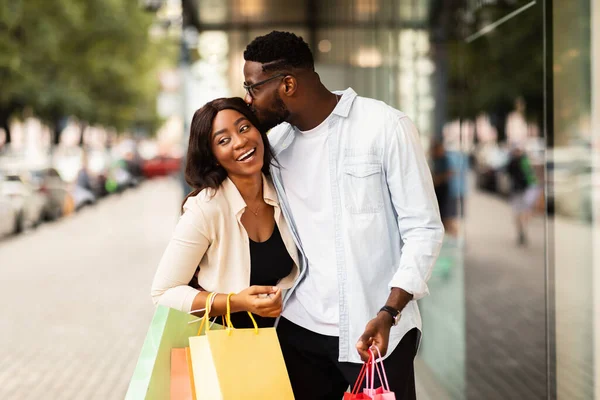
(383, 392)
(355, 394)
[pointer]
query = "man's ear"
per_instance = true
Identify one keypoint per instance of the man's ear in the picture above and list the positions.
(290, 85)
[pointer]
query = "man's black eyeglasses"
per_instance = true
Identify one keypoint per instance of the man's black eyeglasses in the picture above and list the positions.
(250, 88)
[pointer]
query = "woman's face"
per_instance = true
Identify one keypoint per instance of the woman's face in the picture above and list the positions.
(237, 144)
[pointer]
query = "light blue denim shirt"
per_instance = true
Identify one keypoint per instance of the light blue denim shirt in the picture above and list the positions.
(388, 231)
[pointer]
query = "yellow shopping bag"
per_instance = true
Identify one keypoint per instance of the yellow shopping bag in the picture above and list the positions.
(235, 364)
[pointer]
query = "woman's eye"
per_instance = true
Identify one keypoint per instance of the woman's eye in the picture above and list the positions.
(224, 141)
(244, 128)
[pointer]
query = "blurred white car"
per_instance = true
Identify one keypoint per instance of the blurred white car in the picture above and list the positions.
(26, 200)
(8, 216)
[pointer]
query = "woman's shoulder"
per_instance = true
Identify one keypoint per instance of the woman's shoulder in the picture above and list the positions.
(207, 201)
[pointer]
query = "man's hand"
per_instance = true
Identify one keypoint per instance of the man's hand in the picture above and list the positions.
(376, 333)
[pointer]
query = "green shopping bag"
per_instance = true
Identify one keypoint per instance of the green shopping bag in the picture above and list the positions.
(152, 375)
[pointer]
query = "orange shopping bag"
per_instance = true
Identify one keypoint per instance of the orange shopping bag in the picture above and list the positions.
(182, 386)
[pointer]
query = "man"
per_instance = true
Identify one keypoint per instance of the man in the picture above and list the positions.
(353, 181)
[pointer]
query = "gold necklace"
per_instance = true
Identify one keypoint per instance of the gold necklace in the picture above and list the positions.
(255, 212)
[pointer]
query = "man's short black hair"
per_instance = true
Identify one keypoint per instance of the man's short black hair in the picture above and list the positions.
(280, 50)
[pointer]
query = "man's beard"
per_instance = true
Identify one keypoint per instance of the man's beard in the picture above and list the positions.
(273, 117)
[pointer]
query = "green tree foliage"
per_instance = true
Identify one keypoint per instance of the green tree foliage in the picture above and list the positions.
(488, 73)
(89, 59)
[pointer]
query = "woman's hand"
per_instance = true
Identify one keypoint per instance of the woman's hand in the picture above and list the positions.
(265, 301)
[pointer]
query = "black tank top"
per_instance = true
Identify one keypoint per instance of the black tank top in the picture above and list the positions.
(269, 262)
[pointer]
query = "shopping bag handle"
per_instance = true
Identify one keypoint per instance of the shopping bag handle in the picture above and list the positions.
(378, 365)
(207, 308)
(361, 376)
(230, 326)
(202, 310)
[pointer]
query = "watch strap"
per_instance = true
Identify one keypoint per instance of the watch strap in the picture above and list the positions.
(392, 311)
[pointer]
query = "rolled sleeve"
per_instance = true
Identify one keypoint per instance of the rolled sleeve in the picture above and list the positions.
(410, 282)
(179, 262)
(413, 197)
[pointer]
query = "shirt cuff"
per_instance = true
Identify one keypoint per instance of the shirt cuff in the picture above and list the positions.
(410, 282)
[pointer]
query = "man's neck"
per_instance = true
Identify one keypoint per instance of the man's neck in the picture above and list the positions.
(322, 104)
(250, 187)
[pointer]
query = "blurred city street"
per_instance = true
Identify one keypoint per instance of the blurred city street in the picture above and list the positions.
(505, 304)
(76, 296)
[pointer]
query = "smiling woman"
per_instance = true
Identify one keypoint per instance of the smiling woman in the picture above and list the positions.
(232, 237)
(213, 128)
(237, 144)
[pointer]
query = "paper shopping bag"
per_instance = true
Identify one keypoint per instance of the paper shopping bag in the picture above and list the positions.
(382, 394)
(152, 375)
(181, 383)
(356, 393)
(235, 364)
(203, 373)
(376, 364)
(356, 396)
(368, 372)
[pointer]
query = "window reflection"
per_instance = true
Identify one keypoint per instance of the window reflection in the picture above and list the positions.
(572, 194)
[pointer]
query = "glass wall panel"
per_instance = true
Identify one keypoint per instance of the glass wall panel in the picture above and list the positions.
(505, 234)
(572, 191)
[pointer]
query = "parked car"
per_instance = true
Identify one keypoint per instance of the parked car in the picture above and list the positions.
(82, 197)
(161, 166)
(9, 217)
(490, 169)
(59, 200)
(26, 200)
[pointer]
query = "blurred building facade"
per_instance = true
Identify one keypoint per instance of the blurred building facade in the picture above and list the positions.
(508, 317)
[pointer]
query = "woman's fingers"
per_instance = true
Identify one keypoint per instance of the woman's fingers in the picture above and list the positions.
(258, 290)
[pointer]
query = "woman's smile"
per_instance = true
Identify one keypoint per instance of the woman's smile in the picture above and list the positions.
(247, 156)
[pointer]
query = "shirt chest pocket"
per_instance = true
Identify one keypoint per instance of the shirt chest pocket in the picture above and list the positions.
(363, 186)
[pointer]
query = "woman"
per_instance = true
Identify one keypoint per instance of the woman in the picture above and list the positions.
(232, 230)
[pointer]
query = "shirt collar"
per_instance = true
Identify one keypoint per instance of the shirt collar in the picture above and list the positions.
(236, 201)
(343, 107)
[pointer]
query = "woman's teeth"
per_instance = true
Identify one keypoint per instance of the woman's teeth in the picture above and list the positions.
(246, 155)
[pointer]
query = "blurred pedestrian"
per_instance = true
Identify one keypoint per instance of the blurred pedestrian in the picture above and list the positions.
(442, 174)
(353, 180)
(458, 189)
(232, 236)
(525, 191)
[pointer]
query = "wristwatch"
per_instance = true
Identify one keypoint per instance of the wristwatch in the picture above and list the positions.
(393, 312)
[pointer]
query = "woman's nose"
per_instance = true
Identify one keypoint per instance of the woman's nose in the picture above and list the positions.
(240, 141)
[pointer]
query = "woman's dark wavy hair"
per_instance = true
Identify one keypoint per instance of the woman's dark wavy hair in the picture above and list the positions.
(201, 170)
